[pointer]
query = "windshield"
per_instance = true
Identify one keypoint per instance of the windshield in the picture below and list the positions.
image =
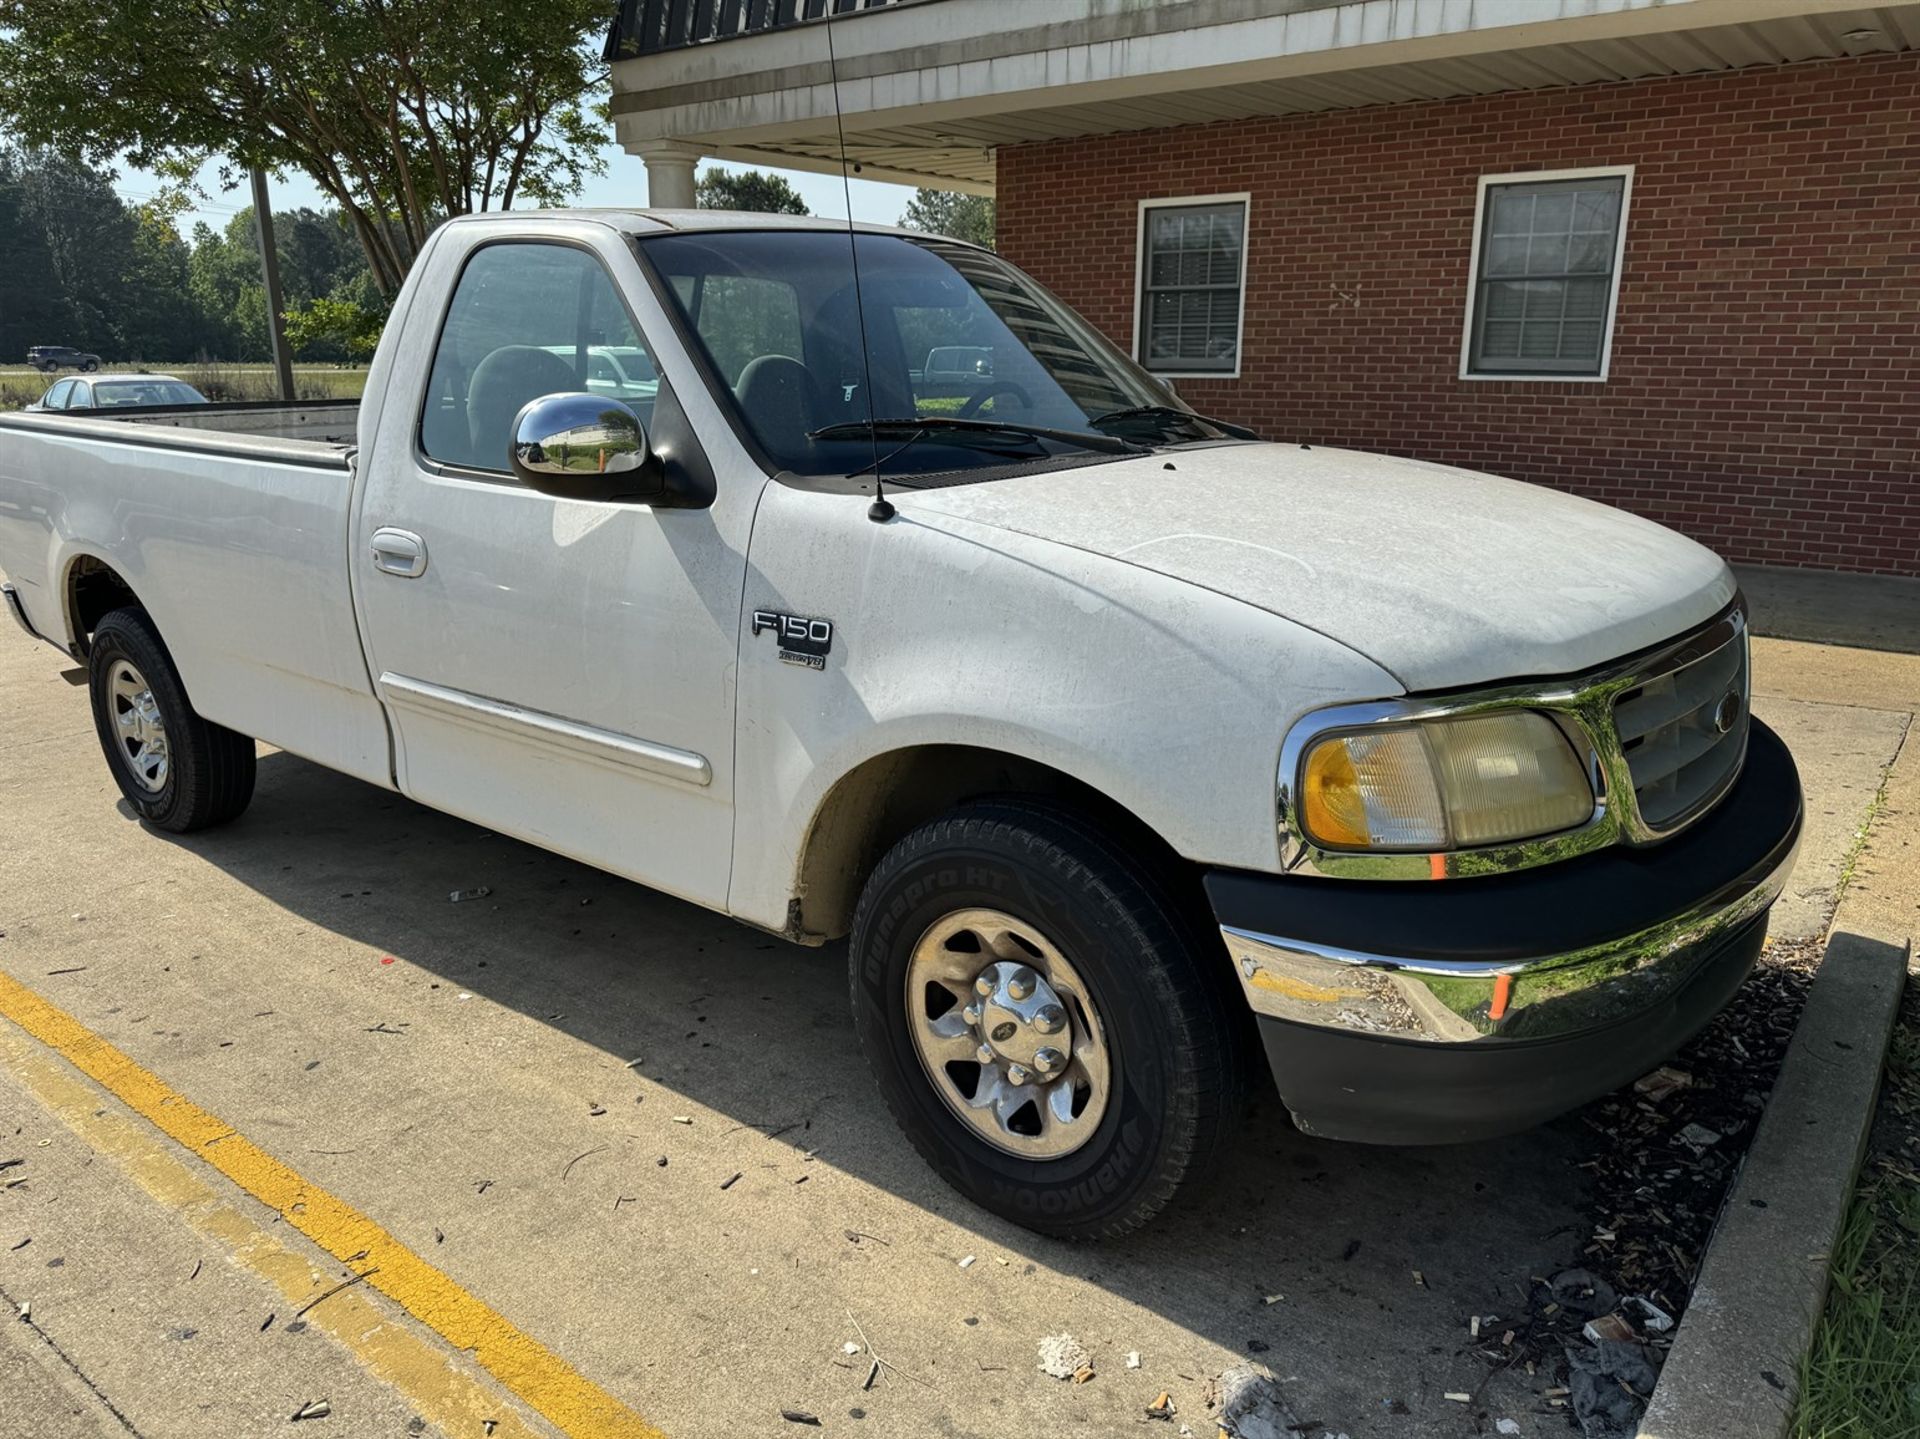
(953, 334)
(145, 392)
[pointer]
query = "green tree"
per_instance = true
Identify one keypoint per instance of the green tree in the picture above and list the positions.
(403, 112)
(33, 307)
(223, 278)
(89, 234)
(945, 212)
(332, 329)
(157, 318)
(753, 190)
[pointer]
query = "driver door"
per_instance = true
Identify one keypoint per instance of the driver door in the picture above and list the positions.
(558, 670)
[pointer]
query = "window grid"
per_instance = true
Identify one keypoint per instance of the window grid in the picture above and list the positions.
(1545, 280)
(1191, 280)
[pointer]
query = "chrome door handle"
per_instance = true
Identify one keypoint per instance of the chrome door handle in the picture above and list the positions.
(399, 552)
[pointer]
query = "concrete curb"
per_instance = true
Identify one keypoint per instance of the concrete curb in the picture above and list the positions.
(1734, 1367)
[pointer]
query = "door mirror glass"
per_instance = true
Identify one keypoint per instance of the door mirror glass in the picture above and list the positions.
(583, 447)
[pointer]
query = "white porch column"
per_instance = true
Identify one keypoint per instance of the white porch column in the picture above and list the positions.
(669, 173)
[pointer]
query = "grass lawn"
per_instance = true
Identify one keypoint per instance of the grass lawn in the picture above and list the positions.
(1862, 1378)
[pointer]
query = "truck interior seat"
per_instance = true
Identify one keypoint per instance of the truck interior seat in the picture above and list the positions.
(503, 382)
(777, 392)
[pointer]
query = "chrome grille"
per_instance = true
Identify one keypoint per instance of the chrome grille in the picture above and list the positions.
(1670, 731)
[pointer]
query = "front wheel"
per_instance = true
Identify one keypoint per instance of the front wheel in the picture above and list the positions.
(1044, 1020)
(177, 770)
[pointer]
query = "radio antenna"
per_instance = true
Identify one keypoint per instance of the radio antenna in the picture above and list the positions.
(881, 510)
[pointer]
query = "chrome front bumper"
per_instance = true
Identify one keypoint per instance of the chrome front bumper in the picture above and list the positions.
(1462, 1001)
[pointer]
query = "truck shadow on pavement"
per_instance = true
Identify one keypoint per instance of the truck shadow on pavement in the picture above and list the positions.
(759, 1031)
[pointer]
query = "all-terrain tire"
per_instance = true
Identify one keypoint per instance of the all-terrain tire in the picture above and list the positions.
(207, 772)
(1175, 1036)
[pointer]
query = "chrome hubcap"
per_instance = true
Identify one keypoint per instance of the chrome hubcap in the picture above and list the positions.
(138, 726)
(1007, 1033)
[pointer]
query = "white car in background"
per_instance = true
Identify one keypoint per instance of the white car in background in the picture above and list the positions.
(118, 392)
(620, 372)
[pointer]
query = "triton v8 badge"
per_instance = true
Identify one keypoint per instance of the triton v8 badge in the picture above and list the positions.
(802, 641)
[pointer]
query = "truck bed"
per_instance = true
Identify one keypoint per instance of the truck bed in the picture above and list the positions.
(230, 524)
(321, 433)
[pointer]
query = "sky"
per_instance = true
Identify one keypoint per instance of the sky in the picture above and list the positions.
(624, 183)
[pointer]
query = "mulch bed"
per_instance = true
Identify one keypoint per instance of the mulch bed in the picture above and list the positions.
(1661, 1158)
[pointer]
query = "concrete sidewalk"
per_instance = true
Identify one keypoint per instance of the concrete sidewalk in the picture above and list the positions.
(1873, 612)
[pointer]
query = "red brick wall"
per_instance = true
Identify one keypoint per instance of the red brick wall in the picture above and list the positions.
(1764, 394)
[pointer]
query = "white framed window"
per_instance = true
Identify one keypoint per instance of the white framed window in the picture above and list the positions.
(1190, 285)
(1545, 276)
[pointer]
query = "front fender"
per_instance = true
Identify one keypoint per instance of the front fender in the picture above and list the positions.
(1167, 698)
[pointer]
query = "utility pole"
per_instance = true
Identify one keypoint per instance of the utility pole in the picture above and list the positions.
(270, 270)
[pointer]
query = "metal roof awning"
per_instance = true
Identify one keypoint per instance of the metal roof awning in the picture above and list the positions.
(928, 90)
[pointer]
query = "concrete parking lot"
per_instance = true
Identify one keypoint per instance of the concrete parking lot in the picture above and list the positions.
(527, 1110)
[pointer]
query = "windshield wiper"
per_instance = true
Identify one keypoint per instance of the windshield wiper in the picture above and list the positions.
(1170, 412)
(934, 424)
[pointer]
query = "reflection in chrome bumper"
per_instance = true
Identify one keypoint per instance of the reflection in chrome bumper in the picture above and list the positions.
(1456, 1001)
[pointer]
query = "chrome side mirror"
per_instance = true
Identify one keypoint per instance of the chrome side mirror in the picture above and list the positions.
(583, 447)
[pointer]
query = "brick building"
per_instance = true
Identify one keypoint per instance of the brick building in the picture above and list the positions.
(1666, 255)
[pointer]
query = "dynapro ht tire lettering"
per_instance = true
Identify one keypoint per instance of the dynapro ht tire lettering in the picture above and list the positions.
(178, 771)
(1044, 1020)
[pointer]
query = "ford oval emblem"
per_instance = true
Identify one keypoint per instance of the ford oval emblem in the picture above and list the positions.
(1726, 713)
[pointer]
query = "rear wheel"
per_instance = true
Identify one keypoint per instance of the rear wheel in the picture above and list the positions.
(177, 770)
(1045, 1022)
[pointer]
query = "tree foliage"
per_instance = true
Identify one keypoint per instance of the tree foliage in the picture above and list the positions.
(79, 266)
(327, 324)
(403, 112)
(753, 190)
(945, 212)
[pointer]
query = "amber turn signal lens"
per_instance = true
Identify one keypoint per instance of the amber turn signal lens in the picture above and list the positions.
(1335, 812)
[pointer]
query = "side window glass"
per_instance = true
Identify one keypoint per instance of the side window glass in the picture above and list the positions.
(527, 319)
(57, 397)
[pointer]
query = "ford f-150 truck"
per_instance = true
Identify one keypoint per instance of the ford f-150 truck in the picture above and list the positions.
(1122, 744)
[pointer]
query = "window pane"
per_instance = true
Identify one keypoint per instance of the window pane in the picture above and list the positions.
(526, 320)
(1190, 311)
(1562, 237)
(1507, 255)
(1590, 253)
(1586, 299)
(1512, 211)
(742, 317)
(1547, 255)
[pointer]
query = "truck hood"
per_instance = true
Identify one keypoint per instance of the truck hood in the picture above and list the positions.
(1443, 577)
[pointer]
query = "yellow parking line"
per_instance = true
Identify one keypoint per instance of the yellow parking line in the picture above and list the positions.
(524, 1367)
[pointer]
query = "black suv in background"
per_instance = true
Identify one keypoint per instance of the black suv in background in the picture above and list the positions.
(48, 358)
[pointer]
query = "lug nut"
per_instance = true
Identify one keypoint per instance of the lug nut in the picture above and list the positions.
(971, 1014)
(984, 1054)
(983, 986)
(1051, 1019)
(1018, 1074)
(1048, 1061)
(1020, 984)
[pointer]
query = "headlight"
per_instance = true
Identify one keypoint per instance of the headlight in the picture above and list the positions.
(1443, 784)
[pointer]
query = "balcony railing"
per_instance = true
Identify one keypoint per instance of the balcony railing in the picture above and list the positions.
(650, 27)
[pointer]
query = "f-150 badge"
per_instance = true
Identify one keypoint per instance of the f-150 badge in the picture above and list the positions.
(802, 641)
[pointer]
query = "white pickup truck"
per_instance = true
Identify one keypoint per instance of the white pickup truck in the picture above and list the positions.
(1121, 743)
